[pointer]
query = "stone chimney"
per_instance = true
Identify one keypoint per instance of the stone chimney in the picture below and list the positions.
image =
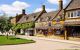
(60, 4)
(23, 11)
(43, 7)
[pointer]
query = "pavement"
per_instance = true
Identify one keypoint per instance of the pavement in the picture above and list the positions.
(50, 39)
(41, 44)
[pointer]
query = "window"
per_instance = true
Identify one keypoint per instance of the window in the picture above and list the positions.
(68, 14)
(75, 14)
(78, 13)
(72, 14)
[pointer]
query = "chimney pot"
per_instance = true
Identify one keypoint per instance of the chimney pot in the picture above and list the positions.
(23, 11)
(60, 4)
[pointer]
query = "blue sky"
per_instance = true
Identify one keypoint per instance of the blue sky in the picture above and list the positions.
(11, 7)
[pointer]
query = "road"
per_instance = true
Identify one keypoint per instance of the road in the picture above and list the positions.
(40, 45)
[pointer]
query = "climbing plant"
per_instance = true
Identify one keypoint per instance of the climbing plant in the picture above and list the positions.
(23, 26)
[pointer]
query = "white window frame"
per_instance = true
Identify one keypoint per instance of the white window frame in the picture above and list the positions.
(74, 16)
(77, 13)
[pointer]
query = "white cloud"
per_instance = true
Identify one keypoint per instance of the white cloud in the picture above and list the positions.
(20, 5)
(47, 9)
(55, 1)
(15, 7)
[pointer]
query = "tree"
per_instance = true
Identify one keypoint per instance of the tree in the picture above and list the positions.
(5, 24)
(23, 26)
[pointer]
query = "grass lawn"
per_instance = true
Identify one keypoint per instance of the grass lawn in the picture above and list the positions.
(13, 40)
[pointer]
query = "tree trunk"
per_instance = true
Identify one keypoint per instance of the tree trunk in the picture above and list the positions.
(7, 35)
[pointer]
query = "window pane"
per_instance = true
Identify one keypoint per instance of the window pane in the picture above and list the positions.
(78, 13)
(68, 14)
(75, 14)
(71, 14)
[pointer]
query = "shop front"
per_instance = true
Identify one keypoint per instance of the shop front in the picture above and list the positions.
(41, 31)
(29, 32)
(73, 28)
(58, 28)
(44, 28)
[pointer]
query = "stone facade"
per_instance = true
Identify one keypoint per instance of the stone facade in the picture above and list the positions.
(13, 20)
(61, 20)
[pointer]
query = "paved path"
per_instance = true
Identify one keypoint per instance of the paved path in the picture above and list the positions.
(40, 45)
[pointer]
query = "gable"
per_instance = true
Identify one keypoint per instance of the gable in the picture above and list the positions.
(48, 16)
(59, 15)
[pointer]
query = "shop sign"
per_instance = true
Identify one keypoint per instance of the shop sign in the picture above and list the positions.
(58, 26)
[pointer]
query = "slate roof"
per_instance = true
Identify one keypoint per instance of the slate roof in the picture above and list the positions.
(74, 4)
